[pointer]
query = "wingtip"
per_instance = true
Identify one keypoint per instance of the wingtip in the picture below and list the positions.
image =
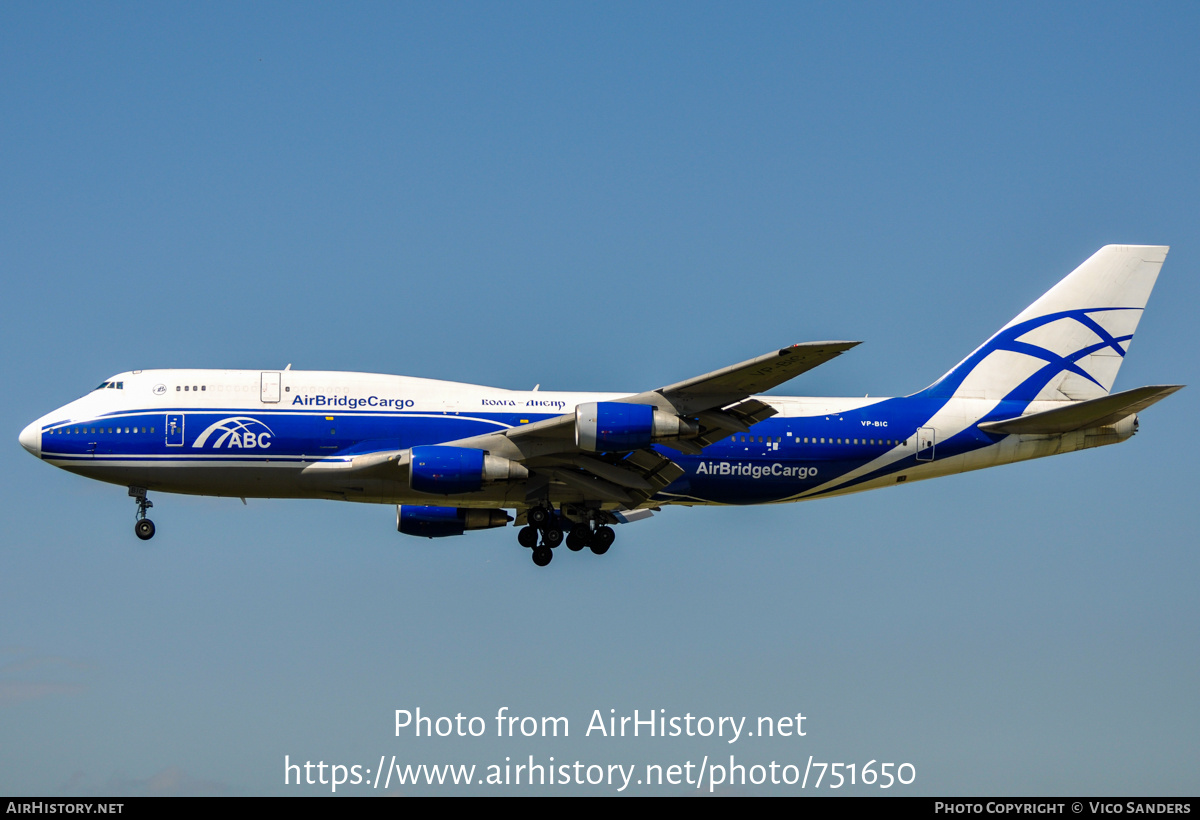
(843, 345)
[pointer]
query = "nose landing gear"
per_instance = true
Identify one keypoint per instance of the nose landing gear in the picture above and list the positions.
(143, 528)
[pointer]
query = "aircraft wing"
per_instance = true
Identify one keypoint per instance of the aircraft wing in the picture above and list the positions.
(723, 387)
(720, 403)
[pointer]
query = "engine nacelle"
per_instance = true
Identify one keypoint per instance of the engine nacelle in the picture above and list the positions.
(615, 427)
(437, 522)
(453, 470)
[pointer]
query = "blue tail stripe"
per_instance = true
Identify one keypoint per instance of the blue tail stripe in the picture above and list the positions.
(1007, 339)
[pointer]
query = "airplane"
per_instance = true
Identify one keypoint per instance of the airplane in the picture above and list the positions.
(455, 457)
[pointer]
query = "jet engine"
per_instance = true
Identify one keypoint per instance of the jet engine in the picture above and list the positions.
(437, 522)
(452, 470)
(614, 427)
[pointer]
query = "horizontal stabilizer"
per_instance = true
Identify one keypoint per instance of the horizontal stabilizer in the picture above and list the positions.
(1083, 414)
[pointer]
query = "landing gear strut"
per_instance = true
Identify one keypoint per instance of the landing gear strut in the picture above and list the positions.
(545, 523)
(143, 528)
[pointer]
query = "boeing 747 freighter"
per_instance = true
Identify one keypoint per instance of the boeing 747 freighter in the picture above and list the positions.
(570, 466)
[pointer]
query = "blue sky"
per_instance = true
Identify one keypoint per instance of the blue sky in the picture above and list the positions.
(595, 197)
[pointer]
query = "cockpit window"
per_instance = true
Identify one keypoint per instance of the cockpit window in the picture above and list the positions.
(111, 386)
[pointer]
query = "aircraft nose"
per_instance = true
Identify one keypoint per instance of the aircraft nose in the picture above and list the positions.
(31, 439)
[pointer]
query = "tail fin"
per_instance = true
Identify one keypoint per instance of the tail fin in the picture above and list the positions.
(1069, 344)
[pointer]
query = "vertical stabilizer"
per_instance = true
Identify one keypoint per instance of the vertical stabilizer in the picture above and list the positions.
(1069, 344)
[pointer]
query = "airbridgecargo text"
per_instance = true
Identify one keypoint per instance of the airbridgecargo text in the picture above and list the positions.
(750, 470)
(352, 402)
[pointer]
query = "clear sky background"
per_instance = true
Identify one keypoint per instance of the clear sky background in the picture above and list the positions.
(596, 197)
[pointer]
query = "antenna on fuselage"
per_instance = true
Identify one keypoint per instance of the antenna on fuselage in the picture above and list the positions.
(289, 367)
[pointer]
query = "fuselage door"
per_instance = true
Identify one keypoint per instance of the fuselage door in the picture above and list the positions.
(175, 429)
(270, 387)
(925, 443)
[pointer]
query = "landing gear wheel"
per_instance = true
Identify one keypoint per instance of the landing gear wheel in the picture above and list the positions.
(538, 516)
(577, 538)
(552, 537)
(542, 556)
(527, 537)
(602, 540)
(144, 529)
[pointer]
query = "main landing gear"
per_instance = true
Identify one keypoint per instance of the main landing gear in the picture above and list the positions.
(548, 524)
(144, 527)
